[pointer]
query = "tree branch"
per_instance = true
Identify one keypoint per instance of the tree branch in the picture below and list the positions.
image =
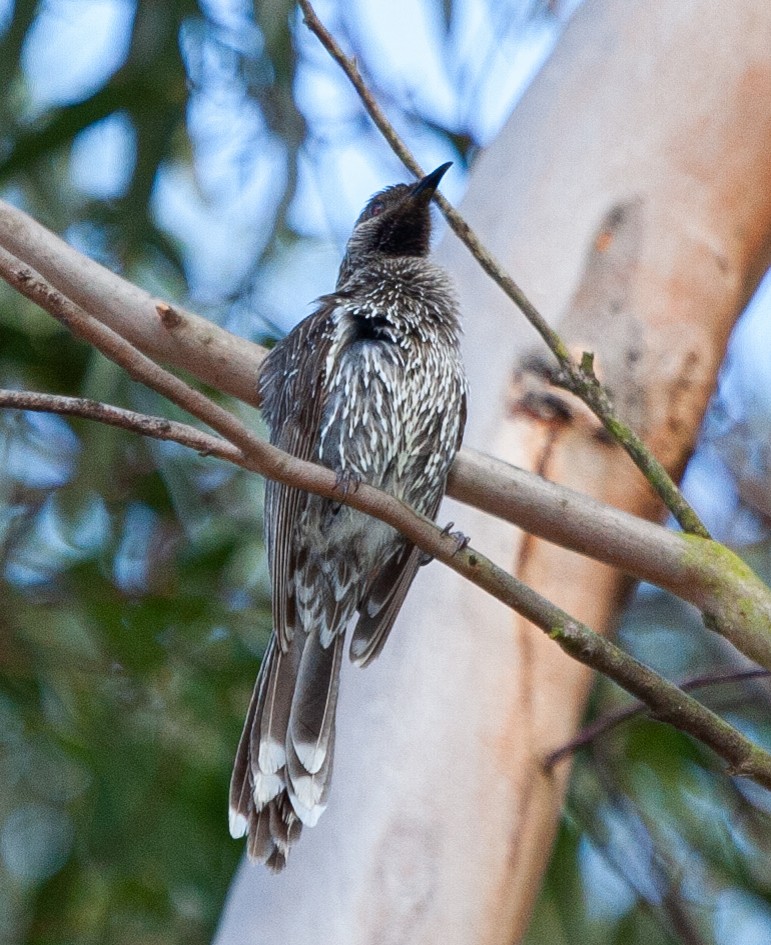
(579, 379)
(736, 604)
(664, 699)
(611, 720)
(232, 364)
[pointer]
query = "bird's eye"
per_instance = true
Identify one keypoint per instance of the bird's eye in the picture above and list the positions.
(376, 207)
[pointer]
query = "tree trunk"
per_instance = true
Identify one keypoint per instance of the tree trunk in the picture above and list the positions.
(630, 196)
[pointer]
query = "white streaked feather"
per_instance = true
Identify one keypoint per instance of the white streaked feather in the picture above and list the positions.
(266, 787)
(271, 757)
(304, 799)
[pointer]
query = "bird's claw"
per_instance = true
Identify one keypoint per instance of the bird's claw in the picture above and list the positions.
(347, 482)
(461, 541)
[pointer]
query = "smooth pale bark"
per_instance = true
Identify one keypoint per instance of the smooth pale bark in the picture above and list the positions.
(440, 821)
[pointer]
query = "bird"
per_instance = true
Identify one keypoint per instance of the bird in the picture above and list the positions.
(372, 386)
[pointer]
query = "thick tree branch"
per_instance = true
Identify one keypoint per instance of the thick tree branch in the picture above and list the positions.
(734, 601)
(232, 364)
(578, 378)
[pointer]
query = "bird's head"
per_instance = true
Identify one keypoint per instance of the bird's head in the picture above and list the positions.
(395, 222)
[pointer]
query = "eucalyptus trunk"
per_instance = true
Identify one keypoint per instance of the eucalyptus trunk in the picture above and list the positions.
(629, 196)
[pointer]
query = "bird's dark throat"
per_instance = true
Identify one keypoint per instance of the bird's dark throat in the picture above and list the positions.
(406, 235)
(372, 328)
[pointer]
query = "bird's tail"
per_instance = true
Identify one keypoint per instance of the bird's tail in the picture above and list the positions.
(283, 765)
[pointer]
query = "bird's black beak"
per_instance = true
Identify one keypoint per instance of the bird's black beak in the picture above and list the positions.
(427, 185)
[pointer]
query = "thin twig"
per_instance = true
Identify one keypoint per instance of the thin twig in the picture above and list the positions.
(157, 428)
(578, 378)
(611, 720)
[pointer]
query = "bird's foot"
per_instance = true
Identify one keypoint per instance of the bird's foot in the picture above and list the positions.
(461, 541)
(347, 482)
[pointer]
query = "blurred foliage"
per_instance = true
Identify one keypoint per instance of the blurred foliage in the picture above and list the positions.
(134, 610)
(133, 600)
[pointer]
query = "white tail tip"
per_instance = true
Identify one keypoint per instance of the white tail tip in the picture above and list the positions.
(271, 756)
(266, 787)
(311, 755)
(304, 796)
(237, 823)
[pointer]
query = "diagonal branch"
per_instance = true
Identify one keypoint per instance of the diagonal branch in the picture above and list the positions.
(579, 379)
(734, 601)
(611, 720)
(664, 699)
(644, 550)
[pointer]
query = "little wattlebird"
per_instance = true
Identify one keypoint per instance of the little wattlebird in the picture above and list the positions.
(372, 386)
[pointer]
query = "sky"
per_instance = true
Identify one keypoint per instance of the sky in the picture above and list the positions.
(237, 162)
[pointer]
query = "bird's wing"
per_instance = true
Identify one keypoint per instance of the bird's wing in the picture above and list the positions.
(381, 606)
(291, 382)
(385, 595)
